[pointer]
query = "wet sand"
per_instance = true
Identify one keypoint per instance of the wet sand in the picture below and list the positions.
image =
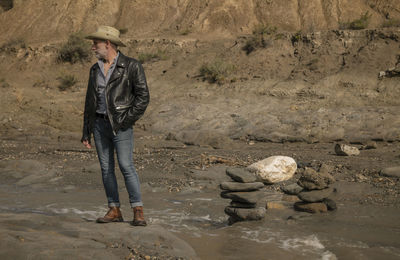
(51, 193)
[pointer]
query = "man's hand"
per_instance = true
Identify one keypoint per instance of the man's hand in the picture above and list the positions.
(87, 144)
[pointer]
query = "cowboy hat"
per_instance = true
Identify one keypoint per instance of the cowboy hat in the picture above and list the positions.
(107, 33)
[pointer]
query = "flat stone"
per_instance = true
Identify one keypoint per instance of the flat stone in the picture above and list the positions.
(315, 195)
(235, 204)
(346, 150)
(292, 189)
(241, 175)
(243, 197)
(236, 186)
(274, 169)
(240, 214)
(318, 207)
(275, 205)
(330, 204)
(391, 172)
(369, 145)
(312, 180)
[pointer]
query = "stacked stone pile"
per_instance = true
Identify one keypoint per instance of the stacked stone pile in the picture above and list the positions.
(315, 192)
(246, 198)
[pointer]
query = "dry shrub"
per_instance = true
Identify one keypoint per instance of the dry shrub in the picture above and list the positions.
(75, 49)
(66, 81)
(260, 38)
(216, 72)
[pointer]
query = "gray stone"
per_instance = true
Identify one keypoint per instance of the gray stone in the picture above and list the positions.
(326, 168)
(312, 180)
(241, 175)
(292, 189)
(369, 145)
(235, 186)
(240, 214)
(310, 207)
(330, 204)
(235, 204)
(274, 169)
(243, 197)
(346, 150)
(391, 172)
(315, 195)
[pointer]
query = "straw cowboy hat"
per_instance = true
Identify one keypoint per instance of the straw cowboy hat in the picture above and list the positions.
(107, 33)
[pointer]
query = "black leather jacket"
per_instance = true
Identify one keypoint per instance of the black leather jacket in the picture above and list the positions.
(127, 96)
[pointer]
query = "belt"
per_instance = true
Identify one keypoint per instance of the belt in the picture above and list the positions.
(103, 116)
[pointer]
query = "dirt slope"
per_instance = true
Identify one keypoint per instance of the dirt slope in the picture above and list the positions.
(51, 20)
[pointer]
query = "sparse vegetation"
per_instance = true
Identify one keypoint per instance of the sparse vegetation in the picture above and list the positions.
(260, 38)
(186, 31)
(152, 56)
(66, 81)
(4, 83)
(391, 23)
(216, 72)
(357, 24)
(74, 50)
(296, 37)
(12, 45)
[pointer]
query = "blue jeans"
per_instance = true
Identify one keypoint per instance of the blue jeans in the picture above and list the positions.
(106, 142)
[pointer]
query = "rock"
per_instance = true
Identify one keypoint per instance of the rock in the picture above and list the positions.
(241, 175)
(242, 205)
(346, 150)
(369, 145)
(315, 195)
(312, 180)
(391, 172)
(235, 186)
(245, 214)
(274, 169)
(292, 189)
(318, 207)
(275, 205)
(325, 168)
(330, 204)
(243, 197)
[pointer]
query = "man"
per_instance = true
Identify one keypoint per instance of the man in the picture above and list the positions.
(116, 97)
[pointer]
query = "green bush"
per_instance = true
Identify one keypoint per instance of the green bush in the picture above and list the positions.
(75, 49)
(66, 81)
(260, 38)
(357, 24)
(216, 72)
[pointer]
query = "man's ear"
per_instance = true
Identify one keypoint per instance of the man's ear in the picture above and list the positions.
(108, 43)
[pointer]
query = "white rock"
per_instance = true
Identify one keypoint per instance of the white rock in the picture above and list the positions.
(274, 169)
(346, 150)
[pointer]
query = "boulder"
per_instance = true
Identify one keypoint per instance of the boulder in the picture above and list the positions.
(346, 150)
(292, 189)
(240, 214)
(315, 195)
(236, 186)
(318, 207)
(241, 175)
(312, 180)
(274, 169)
(391, 172)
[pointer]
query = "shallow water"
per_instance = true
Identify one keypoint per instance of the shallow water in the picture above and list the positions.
(352, 232)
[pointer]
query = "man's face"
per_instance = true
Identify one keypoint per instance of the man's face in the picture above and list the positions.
(100, 49)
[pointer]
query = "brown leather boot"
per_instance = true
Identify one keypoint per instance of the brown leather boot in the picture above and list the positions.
(113, 215)
(138, 217)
